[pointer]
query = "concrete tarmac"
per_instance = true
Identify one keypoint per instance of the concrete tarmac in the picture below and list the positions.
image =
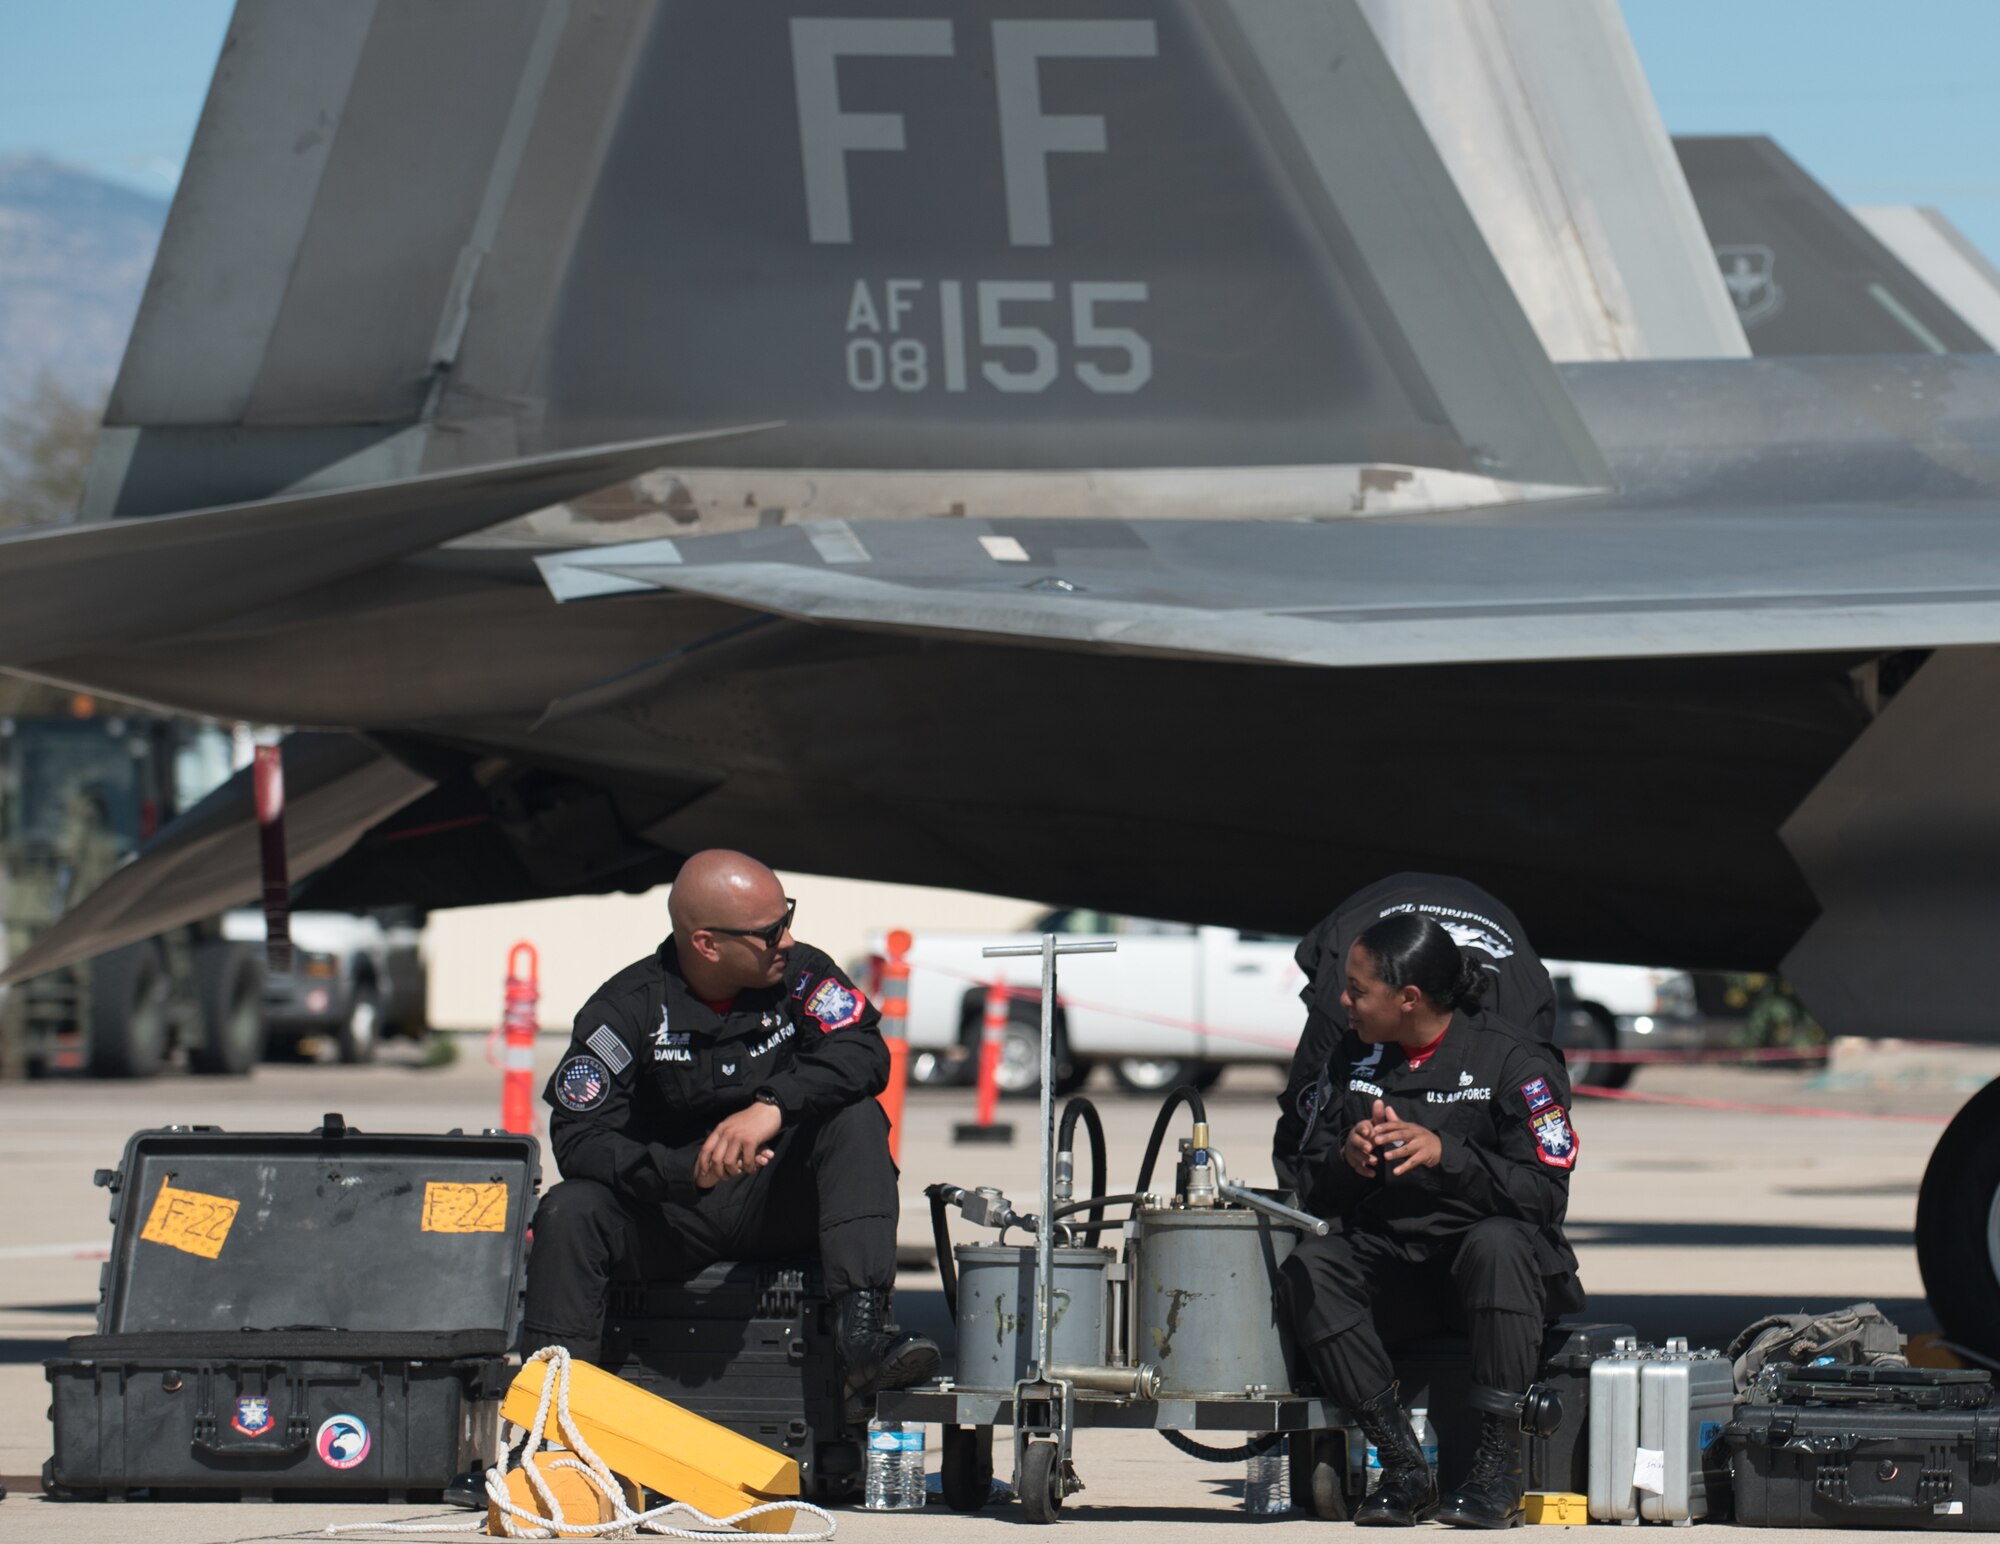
(1690, 1219)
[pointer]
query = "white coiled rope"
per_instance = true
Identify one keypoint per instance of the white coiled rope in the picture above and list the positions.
(520, 1523)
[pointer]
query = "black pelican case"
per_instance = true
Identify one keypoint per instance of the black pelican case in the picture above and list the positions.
(1869, 1447)
(325, 1315)
(751, 1347)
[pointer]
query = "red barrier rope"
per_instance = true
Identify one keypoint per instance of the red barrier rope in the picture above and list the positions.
(1742, 1054)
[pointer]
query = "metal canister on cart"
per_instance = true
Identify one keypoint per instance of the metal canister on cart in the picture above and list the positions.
(996, 1311)
(1202, 1300)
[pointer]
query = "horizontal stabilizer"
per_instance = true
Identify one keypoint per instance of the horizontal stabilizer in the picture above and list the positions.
(1541, 583)
(336, 787)
(67, 587)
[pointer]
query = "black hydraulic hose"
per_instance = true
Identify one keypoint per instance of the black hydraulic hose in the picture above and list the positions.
(1066, 1134)
(1186, 1094)
(1071, 1208)
(941, 1237)
(1255, 1447)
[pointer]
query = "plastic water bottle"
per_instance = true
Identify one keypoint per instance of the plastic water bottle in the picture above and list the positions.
(1426, 1439)
(1267, 1486)
(895, 1477)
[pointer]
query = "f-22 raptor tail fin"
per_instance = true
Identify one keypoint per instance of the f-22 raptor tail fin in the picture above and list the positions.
(1131, 234)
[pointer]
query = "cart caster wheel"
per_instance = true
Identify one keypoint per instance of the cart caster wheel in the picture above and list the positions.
(965, 1474)
(1041, 1482)
(1320, 1481)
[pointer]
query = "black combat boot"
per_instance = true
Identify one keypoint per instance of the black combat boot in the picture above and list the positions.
(1490, 1494)
(873, 1355)
(1408, 1491)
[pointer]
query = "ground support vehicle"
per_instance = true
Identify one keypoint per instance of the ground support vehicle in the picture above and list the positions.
(356, 980)
(1179, 1003)
(81, 786)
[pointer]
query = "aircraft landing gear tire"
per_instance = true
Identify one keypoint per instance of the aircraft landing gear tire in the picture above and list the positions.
(1958, 1225)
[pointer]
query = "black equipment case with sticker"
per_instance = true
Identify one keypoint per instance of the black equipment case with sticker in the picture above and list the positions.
(316, 1315)
(750, 1347)
(1435, 1373)
(1869, 1447)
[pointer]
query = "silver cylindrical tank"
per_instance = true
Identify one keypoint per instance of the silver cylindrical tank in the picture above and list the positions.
(996, 1311)
(1201, 1300)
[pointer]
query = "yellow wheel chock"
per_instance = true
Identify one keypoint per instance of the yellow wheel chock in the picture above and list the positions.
(655, 1443)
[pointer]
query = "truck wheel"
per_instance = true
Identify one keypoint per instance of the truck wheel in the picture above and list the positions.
(1020, 1071)
(1157, 1074)
(1581, 1030)
(128, 1012)
(361, 1031)
(229, 979)
(1958, 1225)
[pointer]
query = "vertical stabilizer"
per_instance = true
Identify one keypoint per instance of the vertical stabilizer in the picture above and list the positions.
(1937, 252)
(422, 235)
(1544, 117)
(1807, 276)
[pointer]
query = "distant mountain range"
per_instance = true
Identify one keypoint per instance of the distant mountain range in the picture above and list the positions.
(74, 254)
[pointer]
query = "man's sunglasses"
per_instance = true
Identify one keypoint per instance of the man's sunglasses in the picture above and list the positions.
(767, 936)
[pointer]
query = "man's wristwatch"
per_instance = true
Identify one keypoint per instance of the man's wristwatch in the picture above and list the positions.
(770, 1096)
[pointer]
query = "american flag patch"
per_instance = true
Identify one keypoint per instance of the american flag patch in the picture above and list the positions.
(605, 1043)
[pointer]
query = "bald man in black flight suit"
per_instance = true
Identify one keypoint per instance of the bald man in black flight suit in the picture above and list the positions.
(717, 1101)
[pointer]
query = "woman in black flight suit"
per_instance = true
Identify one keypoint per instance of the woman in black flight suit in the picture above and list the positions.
(1444, 1155)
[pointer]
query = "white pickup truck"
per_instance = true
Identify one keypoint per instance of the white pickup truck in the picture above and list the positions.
(1178, 1003)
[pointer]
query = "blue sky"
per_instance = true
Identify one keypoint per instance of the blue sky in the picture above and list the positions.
(114, 86)
(1883, 103)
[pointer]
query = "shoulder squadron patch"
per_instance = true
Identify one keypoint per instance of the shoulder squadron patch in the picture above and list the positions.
(799, 986)
(1537, 1094)
(605, 1042)
(835, 1006)
(1555, 1139)
(581, 1083)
